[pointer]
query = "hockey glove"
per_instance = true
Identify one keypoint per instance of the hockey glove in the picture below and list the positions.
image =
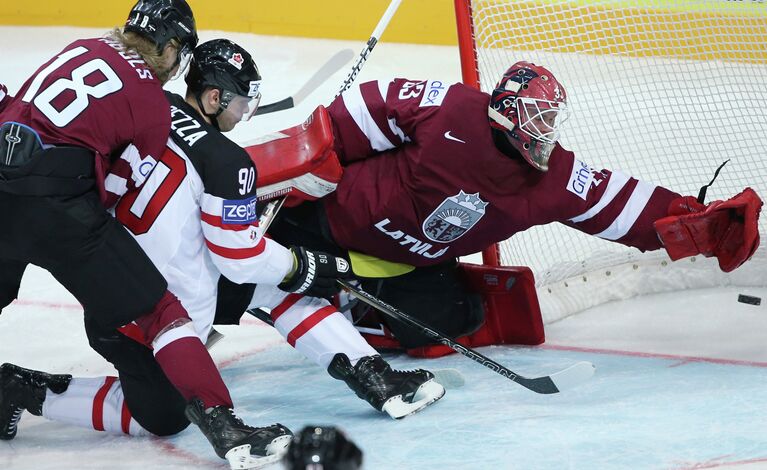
(728, 230)
(315, 273)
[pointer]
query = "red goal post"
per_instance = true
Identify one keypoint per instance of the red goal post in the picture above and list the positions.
(663, 90)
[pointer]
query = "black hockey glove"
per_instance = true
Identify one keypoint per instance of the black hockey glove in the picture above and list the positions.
(316, 273)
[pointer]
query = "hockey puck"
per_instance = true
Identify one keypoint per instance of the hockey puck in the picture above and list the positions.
(748, 299)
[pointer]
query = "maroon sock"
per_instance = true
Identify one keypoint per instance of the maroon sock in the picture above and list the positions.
(191, 370)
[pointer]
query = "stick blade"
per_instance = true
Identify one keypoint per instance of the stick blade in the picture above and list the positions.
(573, 375)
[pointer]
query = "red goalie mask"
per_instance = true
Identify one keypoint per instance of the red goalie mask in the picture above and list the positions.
(529, 105)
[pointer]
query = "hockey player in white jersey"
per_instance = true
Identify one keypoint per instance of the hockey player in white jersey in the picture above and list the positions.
(196, 218)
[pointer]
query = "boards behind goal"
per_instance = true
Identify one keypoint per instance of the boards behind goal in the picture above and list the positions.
(662, 90)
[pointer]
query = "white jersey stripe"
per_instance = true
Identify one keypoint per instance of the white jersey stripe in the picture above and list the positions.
(140, 167)
(395, 128)
(139, 206)
(115, 184)
(616, 182)
(383, 88)
(358, 110)
(630, 213)
(212, 205)
(184, 331)
(229, 239)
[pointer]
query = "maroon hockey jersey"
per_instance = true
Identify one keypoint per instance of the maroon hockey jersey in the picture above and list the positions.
(4, 98)
(424, 181)
(96, 96)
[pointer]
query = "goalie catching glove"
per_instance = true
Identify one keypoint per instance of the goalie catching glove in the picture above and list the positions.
(727, 230)
(314, 273)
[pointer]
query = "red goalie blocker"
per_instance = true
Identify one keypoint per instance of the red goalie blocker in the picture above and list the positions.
(512, 311)
(298, 162)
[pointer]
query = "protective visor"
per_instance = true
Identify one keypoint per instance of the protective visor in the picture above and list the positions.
(243, 106)
(182, 60)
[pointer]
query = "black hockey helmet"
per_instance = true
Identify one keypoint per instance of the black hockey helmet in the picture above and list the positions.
(163, 20)
(223, 65)
(322, 447)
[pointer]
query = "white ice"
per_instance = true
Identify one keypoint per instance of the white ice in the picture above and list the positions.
(680, 380)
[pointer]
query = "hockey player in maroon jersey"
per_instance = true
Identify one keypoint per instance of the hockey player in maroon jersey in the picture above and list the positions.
(4, 98)
(98, 108)
(428, 177)
(195, 218)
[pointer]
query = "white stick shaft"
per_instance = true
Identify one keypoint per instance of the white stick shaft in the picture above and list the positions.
(382, 24)
(384, 21)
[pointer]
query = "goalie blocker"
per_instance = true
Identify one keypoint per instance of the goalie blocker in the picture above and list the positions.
(298, 162)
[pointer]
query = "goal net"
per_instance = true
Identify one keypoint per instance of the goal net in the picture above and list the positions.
(664, 90)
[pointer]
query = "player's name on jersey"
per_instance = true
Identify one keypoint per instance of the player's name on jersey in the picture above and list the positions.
(185, 126)
(132, 57)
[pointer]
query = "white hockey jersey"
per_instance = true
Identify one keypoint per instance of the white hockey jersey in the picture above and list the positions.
(195, 216)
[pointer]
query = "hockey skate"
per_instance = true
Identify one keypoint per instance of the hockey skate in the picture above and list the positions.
(24, 389)
(245, 447)
(398, 393)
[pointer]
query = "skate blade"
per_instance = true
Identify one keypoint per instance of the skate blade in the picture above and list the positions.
(429, 392)
(240, 457)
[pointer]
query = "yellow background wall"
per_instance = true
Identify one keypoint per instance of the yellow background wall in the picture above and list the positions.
(691, 29)
(416, 21)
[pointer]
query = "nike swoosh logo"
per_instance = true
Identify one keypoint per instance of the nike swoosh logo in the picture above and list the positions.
(450, 137)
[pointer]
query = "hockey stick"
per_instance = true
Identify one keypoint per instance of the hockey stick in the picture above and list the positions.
(382, 24)
(333, 65)
(449, 378)
(330, 67)
(554, 383)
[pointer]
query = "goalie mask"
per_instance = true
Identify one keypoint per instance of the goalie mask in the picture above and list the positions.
(529, 106)
(227, 67)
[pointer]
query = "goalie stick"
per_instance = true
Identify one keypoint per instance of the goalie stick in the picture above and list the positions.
(330, 67)
(554, 383)
(380, 27)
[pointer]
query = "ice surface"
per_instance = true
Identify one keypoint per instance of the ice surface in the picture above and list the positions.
(680, 384)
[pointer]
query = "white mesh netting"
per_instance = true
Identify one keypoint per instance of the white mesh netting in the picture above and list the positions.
(664, 91)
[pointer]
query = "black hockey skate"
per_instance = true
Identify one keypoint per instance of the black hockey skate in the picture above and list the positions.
(24, 389)
(398, 393)
(245, 447)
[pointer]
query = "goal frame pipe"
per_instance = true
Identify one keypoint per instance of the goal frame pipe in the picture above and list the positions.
(470, 75)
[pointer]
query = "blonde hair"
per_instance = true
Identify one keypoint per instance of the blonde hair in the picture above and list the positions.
(146, 48)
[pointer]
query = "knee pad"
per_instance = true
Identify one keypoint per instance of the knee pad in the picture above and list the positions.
(164, 423)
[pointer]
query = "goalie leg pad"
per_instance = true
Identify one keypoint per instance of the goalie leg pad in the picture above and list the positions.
(512, 311)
